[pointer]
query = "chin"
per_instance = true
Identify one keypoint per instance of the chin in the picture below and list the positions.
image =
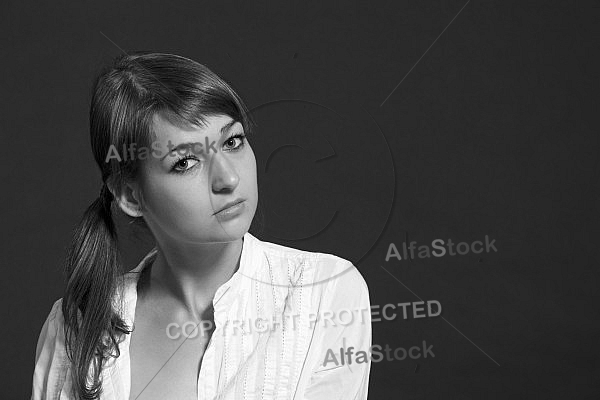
(228, 231)
(228, 235)
(218, 230)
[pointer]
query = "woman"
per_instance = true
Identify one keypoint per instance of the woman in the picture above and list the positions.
(212, 311)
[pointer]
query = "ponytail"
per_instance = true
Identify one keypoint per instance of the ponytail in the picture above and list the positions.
(92, 268)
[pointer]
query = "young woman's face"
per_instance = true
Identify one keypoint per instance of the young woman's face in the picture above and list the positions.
(187, 190)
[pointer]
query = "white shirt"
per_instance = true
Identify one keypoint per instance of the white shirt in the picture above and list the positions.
(296, 312)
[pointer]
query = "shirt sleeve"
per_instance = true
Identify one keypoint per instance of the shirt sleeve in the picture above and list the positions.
(342, 363)
(48, 376)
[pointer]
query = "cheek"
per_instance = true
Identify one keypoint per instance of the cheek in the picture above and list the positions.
(179, 213)
(174, 201)
(251, 165)
(251, 175)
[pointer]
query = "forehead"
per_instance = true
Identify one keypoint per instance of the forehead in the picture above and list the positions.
(165, 129)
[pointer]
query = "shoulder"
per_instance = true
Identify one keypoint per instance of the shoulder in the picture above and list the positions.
(51, 334)
(53, 321)
(328, 272)
(51, 360)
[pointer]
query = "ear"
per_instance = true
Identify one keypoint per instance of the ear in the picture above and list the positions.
(129, 199)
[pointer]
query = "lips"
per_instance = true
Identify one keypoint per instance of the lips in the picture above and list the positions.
(230, 204)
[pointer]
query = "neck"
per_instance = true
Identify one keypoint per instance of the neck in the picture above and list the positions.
(191, 274)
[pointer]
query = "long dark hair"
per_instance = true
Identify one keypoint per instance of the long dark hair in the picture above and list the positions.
(125, 96)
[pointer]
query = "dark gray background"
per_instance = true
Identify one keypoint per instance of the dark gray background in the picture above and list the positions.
(493, 132)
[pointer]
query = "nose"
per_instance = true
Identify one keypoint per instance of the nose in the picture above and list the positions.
(223, 174)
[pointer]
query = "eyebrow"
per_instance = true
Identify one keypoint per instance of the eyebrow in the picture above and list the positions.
(187, 145)
(228, 126)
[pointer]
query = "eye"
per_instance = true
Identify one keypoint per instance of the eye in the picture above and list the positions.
(235, 142)
(184, 164)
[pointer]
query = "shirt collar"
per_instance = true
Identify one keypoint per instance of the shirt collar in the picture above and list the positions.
(248, 265)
